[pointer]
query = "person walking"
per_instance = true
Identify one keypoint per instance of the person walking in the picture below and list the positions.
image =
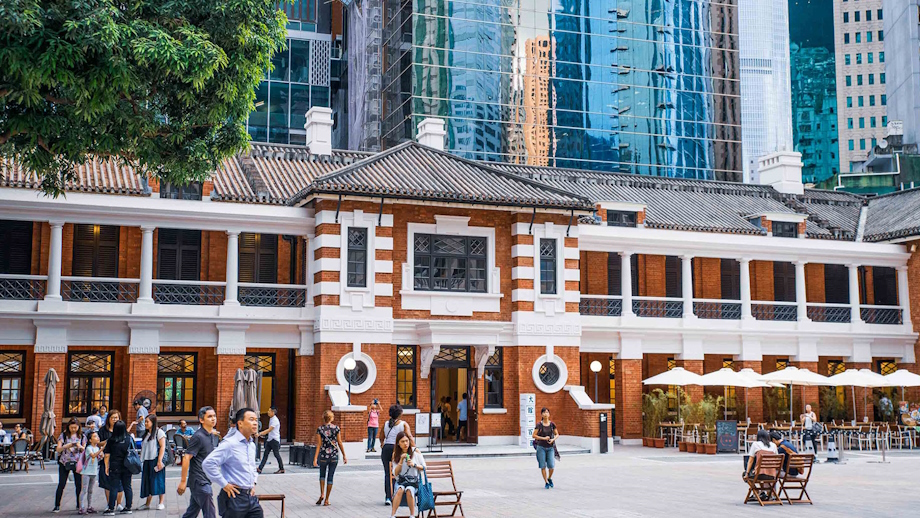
(544, 438)
(200, 446)
(328, 446)
(104, 434)
(407, 463)
(391, 429)
(462, 412)
(273, 441)
(232, 466)
(69, 448)
(446, 414)
(91, 458)
(140, 423)
(373, 423)
(153, 474)
(119, 478)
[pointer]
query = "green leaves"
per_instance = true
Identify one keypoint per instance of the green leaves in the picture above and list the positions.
(164, 85)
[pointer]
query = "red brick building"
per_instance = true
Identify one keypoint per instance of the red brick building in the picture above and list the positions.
(439, 276)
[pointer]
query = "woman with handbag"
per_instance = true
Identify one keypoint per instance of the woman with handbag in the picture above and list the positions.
(104, 434)
(328, 446)
(119, 476)
(70, 451)
(153, 475)
(388, 434)
(408, 464)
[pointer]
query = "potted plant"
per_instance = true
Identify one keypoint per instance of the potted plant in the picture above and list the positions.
(655, 409)
(690, 413)
(681, 446)
(709, 409)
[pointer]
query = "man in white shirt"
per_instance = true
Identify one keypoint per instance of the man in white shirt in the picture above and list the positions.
(273, 441)
(232, 466)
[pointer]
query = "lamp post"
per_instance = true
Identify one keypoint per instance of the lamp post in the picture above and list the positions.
(350, 365)
(595, 368)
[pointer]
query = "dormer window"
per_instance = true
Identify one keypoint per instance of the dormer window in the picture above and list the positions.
(189, 191)
(621, 218)
(785, 229)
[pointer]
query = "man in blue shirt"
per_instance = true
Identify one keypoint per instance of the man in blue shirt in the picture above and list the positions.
(232, 466)
(784, 448)
(462, 412)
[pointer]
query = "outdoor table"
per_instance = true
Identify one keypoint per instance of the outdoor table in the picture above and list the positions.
(668, 428)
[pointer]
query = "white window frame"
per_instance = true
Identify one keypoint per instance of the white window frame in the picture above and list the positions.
(357, 297)
(371, 372)
(563, 374)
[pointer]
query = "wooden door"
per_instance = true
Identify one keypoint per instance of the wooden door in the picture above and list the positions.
(472, 423)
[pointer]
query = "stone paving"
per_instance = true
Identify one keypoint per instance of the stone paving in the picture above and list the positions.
(632, 482)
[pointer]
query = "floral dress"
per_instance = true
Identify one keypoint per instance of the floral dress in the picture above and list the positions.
(329, 448)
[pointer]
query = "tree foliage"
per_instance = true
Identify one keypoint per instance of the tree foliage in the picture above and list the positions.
(165, 85)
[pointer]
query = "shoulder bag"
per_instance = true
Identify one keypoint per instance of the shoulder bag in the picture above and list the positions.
(132, 460)
(425, 494)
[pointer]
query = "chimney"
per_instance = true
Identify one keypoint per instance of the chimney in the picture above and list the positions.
(431, 133)
(319, 130)
(782, 170)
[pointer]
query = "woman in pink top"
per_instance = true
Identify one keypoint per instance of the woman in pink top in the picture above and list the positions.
(373, 422)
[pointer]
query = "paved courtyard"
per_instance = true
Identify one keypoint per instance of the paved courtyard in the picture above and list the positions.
(631, 482)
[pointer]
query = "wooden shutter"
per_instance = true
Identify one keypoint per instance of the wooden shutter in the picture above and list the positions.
(731, 279)
(884, 283)
(248, 253)
(16, 247)
(836, 284)
(95, 251)
(614, 274)
(634, 270)
(107, 251)
(783, 281)
(672, 277)
(167, 253)
(189, 265)
(268, 259)
(84, 250)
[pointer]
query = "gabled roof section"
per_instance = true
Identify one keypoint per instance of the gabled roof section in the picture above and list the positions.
(413, 171)
(97, 175)
(705, 205)
(893, 216)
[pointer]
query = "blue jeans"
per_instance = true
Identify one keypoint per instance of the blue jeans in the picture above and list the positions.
(371, 437)
(546, 457)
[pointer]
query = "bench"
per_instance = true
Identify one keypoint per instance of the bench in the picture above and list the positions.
(443, 470)
(273, 498)
(764, 479)
(802, 464)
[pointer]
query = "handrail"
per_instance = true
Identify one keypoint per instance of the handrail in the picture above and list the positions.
(260, 285)
(24, 277)
(663, 299)
(774, 302)
(189, 283)
(600, 297)
(101, 279)
(719, 301)
(828, 304)
(876, 306)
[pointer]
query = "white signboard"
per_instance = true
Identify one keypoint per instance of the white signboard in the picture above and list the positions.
(436, 420)
(421, 424)
(528, 417)
(895, 127)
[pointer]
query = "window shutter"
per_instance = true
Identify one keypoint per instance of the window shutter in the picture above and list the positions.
(836, 284)
(16, 247)
(167, 253)
(268, 259)
(731, 279)
(783, 281)
(672, 277)
(634, 270)
(248, 252)
(83, 250)
(190, 255)
(107, 252)
(614, 274)
(885, 286)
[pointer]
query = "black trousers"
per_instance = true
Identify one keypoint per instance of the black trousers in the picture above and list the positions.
(200, 501)
(386, 455)
(62, 483)
(461, 425)
(272, 446)
(244, 505)
(327, 467)
(120, 482)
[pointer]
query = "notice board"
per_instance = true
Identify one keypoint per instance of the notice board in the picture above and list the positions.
(727, 436)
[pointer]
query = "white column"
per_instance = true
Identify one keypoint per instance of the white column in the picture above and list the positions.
(233, 268)
(800, 295)
(54, 261)
(744, 279)
(854, 292)
(145, 290)
(626, 282)
(904, 295)
(686, 280)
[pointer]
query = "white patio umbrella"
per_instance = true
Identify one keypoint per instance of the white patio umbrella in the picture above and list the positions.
(726, 377)
(903, 378)
(677, 376)
(794, 376)
(852, 378)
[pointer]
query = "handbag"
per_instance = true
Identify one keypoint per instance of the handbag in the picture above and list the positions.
(425, 495)
(81, 461)
(132, 460)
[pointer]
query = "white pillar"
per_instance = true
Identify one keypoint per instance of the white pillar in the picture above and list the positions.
(800, 294)
(686, 280)
(904, 295)
(145, 290)
(744, 279)
(233, 268)
(854, 292)
(626, 282)
(53, 289)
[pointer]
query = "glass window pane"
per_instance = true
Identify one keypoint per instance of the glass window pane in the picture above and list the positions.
(258, 119)
(300, 61)
(300, 105)
(320, 96)
(281, 65)
(278, 112)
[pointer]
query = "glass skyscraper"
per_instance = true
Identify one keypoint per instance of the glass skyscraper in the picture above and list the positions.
(646, 87)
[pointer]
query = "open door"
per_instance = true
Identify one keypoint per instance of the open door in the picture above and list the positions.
(472, 423)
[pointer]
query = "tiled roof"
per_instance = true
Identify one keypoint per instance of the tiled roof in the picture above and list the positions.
(411, 170)
(705, 205)
(97, 175)
(893, 216)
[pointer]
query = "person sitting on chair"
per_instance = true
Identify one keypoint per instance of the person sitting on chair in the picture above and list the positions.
(785, 448)
(184, 429)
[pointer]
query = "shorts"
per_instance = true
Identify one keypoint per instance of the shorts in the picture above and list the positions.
(408, 489)
(546, 457)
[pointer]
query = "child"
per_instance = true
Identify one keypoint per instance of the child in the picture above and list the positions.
(92, 454)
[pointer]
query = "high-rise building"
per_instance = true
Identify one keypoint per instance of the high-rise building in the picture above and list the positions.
(902, 41)
(859, 40)
(814, 88)
(301, 76)
(608, 85)
(766, 100)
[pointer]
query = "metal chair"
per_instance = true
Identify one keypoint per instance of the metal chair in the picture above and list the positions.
(19, 453)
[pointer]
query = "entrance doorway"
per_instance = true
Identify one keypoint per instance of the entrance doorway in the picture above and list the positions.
(452, 376)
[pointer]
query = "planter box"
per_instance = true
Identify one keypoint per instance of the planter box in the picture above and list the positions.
(701, 448)
(645, 441)
(711, 449)
(659, 443)
(691, 447)
(681, 446)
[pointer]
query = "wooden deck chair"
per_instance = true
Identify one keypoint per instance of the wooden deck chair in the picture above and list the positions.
(802, 464)
(444, 497)
(766, 470)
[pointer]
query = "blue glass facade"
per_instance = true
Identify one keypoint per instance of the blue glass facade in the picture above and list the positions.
(614, 85)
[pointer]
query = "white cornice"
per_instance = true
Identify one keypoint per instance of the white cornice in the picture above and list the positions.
(136, 211)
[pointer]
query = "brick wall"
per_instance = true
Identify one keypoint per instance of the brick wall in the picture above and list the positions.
(754, 399)
(594, 274)
(913, 287)
(707, 277)
(629, 398)
(762, 280)
(806, 395)
(306, 389)
(227, 365)
(44, 362)
(694, 392)
(142, 375)
(814, 282)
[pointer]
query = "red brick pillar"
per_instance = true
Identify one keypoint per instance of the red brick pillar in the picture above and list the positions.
(865, 407)
(227, 365)
(806, 395)
(912, 394)
(629, 399)
(142, 375)
(696, 366)
(306, 385)
(754, 395)
(43, 362)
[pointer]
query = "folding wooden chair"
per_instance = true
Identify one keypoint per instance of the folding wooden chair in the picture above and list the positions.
(802, 464)
(443, 470)
(766, 470)
(273, 498)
